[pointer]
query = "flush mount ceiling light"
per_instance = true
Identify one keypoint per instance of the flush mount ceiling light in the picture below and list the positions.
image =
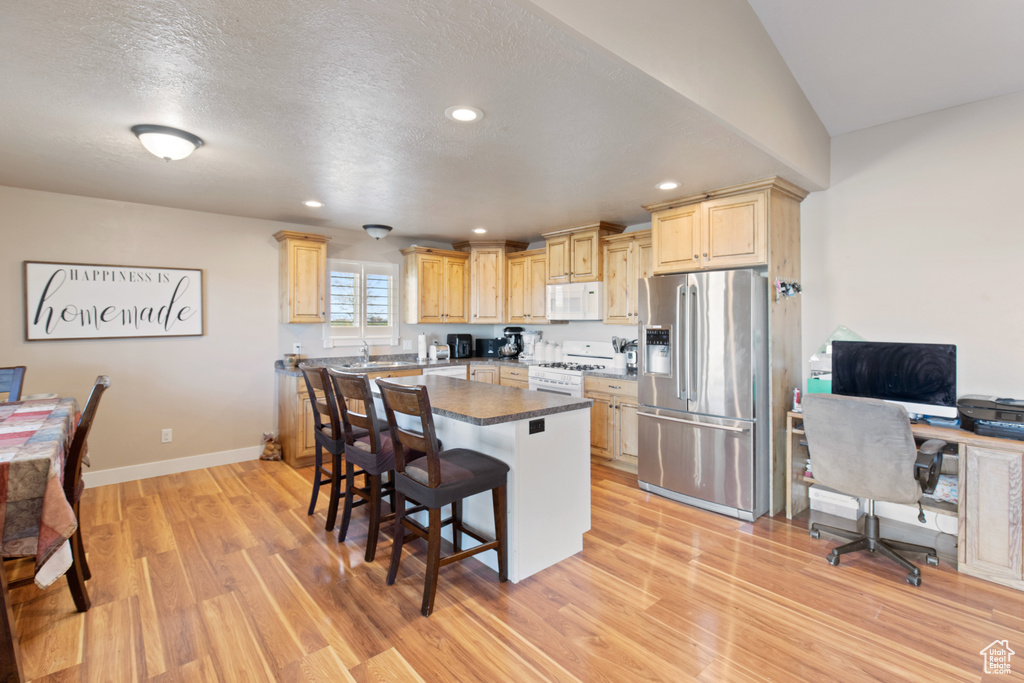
(479, 231)
(668, 185)
(463, 114)
(377, 231)
(170, 144)
(313, 204)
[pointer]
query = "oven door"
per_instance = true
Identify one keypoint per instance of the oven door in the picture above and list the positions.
(554, 387)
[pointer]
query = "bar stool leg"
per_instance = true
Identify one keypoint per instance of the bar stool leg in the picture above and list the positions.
(332, 506)
(501, 531)
(346, 515)
(373, 484)
(318, 465)
(433, 561)
(457, 526)
(396, 546)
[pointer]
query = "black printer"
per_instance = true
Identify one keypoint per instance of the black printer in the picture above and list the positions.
(992, 416)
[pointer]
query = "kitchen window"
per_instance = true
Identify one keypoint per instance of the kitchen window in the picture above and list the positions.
(363, 303)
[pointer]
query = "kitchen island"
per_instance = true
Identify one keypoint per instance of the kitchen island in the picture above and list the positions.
(545, 439)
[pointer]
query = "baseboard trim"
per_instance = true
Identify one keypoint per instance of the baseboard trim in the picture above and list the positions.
(119, 475)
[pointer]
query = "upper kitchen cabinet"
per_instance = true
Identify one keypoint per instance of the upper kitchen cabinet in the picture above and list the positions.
(436, 286)
(487, 278)
(303, 277)
(574, 254)
(627, 259)
(526, 282)
(735, 227)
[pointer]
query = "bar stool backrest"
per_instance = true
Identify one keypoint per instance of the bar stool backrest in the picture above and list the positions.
(412, 401)
(355, 386)
(325, 405)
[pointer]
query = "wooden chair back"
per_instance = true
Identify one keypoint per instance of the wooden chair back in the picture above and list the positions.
(325, 405)
(350, 388)
(11, 381)
(73, 465)
(412, 401)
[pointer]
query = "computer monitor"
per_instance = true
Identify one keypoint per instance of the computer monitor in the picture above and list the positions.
(920, 377)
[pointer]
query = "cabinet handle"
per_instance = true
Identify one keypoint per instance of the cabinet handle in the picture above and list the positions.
(705, 255)
(612, 386)
(696, 256)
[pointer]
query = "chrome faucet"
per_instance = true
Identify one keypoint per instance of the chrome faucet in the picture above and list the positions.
(364, 353)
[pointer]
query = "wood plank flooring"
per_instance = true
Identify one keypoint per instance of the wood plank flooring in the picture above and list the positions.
(219, 574)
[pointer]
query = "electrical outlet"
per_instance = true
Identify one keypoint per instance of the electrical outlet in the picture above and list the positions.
(407, 344)
(165, 436)
(297, 348)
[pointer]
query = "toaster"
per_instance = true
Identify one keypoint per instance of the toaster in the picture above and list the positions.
(489, 348)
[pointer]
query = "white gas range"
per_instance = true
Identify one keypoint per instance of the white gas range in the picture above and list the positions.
(566, 377)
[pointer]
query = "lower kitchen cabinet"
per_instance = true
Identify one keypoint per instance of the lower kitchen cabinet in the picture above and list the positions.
(993, 502)
(513, 376)
(613, 420)
(295, 417)
(488, 374)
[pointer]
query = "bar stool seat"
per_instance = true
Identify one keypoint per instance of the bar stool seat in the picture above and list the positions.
(435, 479)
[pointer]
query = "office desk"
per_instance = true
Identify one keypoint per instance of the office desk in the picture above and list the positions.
(990, 514)
(36, 518)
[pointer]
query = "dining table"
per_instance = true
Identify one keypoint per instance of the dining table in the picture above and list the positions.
(36, 519)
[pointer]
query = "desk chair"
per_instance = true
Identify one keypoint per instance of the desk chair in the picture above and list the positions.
(11, 381)
(864, 447)
(437, 479)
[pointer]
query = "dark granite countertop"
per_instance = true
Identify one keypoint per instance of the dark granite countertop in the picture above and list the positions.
(479, 403)
(405, 361)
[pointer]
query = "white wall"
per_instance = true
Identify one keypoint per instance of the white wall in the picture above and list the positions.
(919, 239)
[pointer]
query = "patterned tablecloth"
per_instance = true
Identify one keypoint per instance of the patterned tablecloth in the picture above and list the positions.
(35, 517)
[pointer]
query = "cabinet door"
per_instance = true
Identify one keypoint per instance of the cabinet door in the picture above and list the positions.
(488, 374)
(643, 258)
(585, 256)
(675, 235)
(430, 275)
(516, 298)
(307, 440)
(993, 515)
(456, 291)
(735, 231)
(536, 289)
(486, 286)
(601, 422)
(618, 287)
(627, 430)
(559, 260)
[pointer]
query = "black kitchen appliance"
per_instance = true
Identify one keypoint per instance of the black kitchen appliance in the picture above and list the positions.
(489, 348)
(461, 345)
(513, 342)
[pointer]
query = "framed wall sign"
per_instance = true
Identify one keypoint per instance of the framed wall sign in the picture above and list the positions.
(89, 301)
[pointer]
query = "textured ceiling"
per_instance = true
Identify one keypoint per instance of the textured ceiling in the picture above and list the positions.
(869, 62)
(343, 102)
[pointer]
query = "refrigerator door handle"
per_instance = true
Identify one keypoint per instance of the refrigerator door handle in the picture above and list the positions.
(695, 423)
(682, 315)
(691, 351)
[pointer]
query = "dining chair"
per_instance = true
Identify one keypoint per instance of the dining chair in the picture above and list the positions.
(78, 573)
(11, 381)
(436, 479)
(329, 436)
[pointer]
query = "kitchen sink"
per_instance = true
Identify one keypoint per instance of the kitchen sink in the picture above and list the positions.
(378, 364)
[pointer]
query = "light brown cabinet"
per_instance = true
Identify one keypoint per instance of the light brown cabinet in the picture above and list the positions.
(487, 265)
(488, 374)
(574, 254)
(302, 274)
(526, 287)
(514, 376)
(436, 286)
(627, 259)
(993, 499)
(613, 420)
(724, 232)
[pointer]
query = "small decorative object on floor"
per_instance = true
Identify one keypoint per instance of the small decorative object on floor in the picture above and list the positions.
(271, 447)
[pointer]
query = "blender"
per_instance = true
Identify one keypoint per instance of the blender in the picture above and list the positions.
(530, 340)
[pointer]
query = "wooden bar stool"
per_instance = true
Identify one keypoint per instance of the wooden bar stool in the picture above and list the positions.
(329, 436)
(372, 453)
(439, 478)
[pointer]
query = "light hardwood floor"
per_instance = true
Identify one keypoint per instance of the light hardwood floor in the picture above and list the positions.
(219, 574)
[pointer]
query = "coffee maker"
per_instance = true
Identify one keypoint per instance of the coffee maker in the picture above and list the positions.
(513, 342)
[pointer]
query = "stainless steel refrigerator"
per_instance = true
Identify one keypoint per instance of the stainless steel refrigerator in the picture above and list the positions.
(704, 390)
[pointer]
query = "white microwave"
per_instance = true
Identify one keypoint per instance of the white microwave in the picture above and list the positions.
(575, 301)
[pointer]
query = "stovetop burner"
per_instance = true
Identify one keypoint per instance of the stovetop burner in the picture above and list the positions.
(571, 366)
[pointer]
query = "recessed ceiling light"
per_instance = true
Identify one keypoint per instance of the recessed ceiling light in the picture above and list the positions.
(479, 231)
(313, 204)
(668, 185)
(463, 114)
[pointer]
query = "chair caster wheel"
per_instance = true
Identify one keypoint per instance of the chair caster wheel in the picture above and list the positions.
(815, 533)
(833, 559)
(932, 560)
(914, 579)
